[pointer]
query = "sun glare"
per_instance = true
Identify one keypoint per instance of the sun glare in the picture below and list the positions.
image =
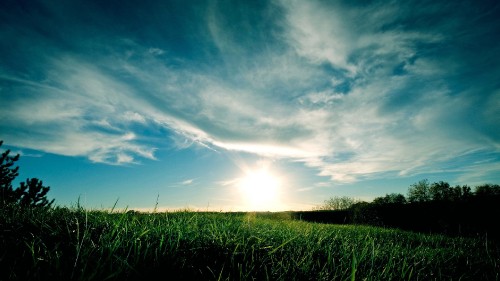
(260, 190)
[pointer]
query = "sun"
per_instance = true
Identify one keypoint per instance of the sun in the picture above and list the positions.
(260, 190)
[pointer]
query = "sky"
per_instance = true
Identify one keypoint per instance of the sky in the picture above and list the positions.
(183, 104)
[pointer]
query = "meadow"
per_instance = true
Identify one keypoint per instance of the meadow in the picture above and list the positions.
(77, 244)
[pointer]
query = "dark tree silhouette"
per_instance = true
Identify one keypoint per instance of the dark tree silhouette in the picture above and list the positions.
(7, 174)
(393, 198)
(487, 190)
(31, 193)
(440, 191)
(461, 193)
(431, 208)
(419, 192)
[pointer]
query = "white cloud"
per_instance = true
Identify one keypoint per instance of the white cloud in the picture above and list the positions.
(134, 116)
(327, 97)
(187, 182)
(350, 38)
(82, 114)
(319, 33)
(321, 98)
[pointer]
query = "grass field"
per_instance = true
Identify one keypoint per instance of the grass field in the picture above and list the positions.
(75, 244)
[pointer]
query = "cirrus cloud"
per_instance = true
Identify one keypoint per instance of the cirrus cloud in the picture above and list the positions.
(354, 91)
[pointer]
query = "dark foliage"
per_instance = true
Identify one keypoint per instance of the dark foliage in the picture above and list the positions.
(31, 193)
(8, 172)
(430, 208)
(487, 190)
(419, 192)
(393, 198)
(440, 191)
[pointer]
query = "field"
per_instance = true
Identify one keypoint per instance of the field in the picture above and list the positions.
(77, 244)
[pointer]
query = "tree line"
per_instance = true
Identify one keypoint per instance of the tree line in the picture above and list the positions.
(423, 191)
(419, 192)
(427, 207)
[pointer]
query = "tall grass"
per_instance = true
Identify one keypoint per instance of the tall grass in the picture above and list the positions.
(77, 244)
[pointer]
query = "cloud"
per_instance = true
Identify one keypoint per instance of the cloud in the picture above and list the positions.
(351, 39)
(156, 51)
(319, 37)
(387, 122)
(83, 114)
(187, 182)
(354, 91)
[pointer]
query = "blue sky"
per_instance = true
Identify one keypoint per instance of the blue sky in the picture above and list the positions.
(174, 101)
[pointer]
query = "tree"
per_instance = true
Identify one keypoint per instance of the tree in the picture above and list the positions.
(7, 174)
(440, 191)
(338, 203)
(487, 190)
(419, 192)
(393, 198)
(31, 193)
(466, 192)
(460, 193)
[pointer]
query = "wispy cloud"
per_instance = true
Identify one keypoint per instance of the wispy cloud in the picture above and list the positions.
(354, 91)
(187, 182)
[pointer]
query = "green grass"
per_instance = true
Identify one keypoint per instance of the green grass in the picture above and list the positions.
(74, 244)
